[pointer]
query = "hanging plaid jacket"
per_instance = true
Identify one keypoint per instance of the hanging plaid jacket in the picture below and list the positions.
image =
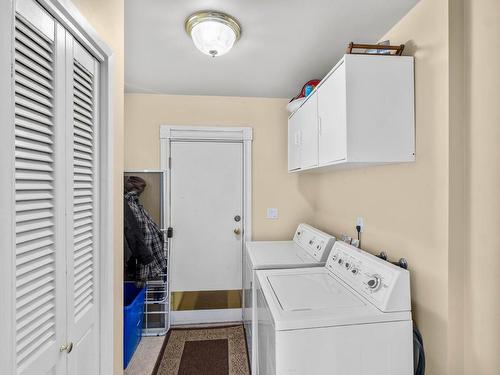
(153, 238)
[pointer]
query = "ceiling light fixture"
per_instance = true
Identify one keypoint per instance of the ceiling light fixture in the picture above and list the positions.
(213, 33)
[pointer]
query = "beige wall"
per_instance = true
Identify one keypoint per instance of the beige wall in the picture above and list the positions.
(442, 212)
(457, 232)
(107, 18)
(482, 296)
(405, 206)
(272, 185)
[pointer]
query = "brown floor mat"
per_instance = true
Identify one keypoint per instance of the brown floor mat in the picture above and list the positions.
(205, 351)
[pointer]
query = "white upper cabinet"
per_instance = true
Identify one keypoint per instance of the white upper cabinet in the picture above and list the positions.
(364, 115)
(303, 136)
(293, 143)
(309, 133)
(332, 118)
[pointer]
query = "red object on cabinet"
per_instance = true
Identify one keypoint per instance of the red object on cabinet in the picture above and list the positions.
(312, 82)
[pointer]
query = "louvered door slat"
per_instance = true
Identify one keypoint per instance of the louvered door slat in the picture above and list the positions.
(82, 104)
(39, 339)
(34, 86)
(83, 191)
(41, 66)
(28, 72)
(32, 251)
(43, 310)
(41, 40)
(28, 92)
(83, 137)
(28, 258)
(41, 297)
(31, 46)
(33, 125)
(35, 273)
(43, 301)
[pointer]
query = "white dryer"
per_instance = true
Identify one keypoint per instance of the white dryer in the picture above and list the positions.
(310, 248)
(351, 317)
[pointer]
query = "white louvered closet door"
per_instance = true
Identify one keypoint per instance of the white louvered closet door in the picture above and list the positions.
(40, 291)
(55, 312)
(83, 313)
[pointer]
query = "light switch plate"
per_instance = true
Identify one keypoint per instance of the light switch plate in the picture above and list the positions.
(272, 213)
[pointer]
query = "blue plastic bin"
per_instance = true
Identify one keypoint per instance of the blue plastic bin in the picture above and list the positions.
(133, 313)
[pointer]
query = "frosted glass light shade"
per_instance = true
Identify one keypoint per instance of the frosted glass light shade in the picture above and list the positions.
(213, 38)
(213, 33)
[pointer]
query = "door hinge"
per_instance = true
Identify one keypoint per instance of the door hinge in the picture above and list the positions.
(170, 232)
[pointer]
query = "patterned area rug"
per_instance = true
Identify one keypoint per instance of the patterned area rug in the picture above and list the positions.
(205, 351)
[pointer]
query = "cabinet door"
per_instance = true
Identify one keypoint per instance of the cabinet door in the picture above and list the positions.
(309, 132)
(293, 143)
(332, 118)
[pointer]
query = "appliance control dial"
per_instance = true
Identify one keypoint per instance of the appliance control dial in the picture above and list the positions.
(374, 282)
(354, 271)
(341, 261)
(348, 265)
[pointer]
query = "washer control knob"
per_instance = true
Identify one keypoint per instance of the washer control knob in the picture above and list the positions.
(348, 265)
(354, 271)
(341, 261)
(374, 282)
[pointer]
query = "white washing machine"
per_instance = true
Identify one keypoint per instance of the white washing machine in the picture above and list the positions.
(310, 248)
(351, 317)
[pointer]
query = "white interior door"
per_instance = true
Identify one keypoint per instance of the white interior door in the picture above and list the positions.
(40, 286)
(206, 190)
(56, 255)
(82, 213)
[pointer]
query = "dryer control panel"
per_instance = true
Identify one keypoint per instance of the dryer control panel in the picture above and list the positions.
(316, 243)
(383, 284)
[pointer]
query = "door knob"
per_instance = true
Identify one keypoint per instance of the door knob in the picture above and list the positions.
(237, 231)
(66, 348)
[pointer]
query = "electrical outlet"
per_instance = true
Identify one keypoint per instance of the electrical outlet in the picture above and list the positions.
(361, 223)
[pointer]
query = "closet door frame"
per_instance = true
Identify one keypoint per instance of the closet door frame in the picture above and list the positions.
(70, 18)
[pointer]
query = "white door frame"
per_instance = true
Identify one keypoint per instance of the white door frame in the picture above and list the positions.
(169, 133)
(65, 12)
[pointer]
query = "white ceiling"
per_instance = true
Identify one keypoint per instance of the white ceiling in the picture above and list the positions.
(284, 43)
